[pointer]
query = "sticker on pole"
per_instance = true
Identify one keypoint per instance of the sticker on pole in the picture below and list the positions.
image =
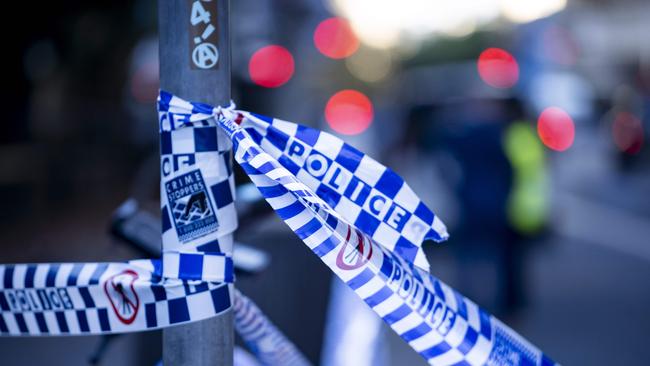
(122, 296)
(191, 208)
(204, 38)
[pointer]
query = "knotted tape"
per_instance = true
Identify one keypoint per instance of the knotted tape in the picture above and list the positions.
(358, 216)
(295, 167)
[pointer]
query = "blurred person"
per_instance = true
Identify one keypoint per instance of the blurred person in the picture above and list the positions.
(625, 123)
(495, 168)
(527, 207)
(473, 139)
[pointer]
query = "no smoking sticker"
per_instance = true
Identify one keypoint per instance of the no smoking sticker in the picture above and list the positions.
(355, 252)
(122, 296)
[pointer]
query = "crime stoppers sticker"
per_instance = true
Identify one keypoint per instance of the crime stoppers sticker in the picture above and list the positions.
(190, 206)
(122, 296)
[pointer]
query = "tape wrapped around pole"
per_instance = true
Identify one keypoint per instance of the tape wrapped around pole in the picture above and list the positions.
(191, 282)
(100, 298)
(267, 343)
(440, 324)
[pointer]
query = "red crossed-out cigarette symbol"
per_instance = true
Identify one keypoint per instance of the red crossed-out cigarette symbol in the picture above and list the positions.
(119, 288)
(354, 256)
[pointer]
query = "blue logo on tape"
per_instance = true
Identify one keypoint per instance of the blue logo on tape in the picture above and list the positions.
(508, 351)
(191, 207)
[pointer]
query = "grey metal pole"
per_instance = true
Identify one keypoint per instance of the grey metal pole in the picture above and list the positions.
(190, 33)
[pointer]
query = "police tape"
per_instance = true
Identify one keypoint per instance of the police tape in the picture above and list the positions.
(192, 280)
(97, 298)
(366, 193)
(196, 197)
(104, 298)
(437, 322)
(266, 342)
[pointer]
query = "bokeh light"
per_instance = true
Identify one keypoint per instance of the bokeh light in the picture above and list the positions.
(498, 68)
(526, 11)
(334, 38)
(370, 64)
(145, 83)
(627, 131)
(271, 66)
(349, 112)
(556, 129)
(384, 24)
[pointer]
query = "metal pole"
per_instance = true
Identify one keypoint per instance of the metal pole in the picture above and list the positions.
(188, 69)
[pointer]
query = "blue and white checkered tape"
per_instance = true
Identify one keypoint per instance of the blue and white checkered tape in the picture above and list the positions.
(366, 193)
(441, 325)
(267, 343)
(94, 298)
(196, 189)
(190, 282)
(197, 185)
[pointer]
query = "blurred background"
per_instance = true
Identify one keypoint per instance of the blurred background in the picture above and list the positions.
(521, 123)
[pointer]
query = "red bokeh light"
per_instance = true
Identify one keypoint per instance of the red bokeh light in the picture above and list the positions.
(627, 131)
(349, 112)
(334, 38)
(556, 129)
(271, 66)
(498, 68)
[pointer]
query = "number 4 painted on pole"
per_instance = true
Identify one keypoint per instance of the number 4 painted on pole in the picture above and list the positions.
(199, 14)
